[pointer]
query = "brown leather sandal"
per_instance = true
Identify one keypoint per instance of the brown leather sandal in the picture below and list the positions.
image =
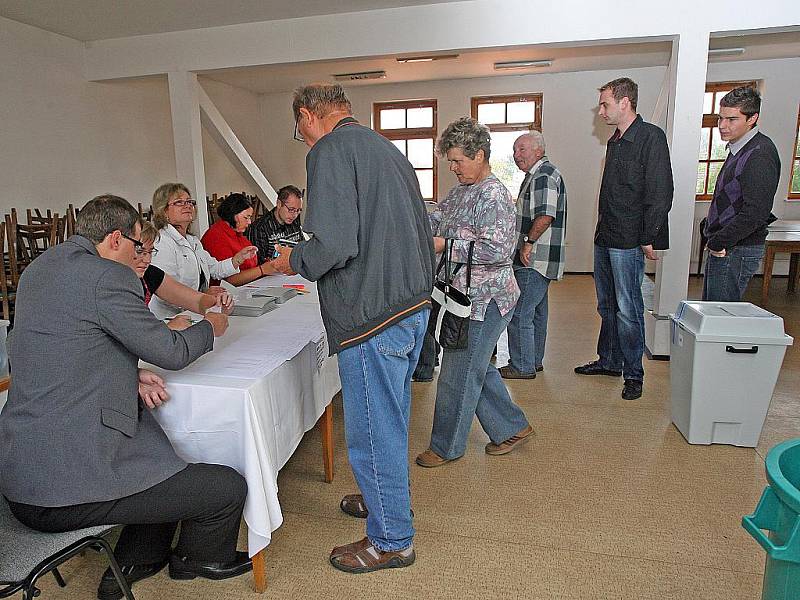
(353, 505)
(363, 557)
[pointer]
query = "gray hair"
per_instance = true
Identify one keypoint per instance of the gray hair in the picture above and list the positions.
(105, 214)
(467, 135)
(321, 99)
(536, 138)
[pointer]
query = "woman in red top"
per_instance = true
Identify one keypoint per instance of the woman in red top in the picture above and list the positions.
(226, 237)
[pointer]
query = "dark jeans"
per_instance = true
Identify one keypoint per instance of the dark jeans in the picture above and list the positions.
(618, 277)
(726, 278)
(207, 499)
(427, 358)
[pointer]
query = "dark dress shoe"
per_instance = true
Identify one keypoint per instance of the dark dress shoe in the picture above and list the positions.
(109, 588)
(183, 568)
(594, 368)
(632, 390)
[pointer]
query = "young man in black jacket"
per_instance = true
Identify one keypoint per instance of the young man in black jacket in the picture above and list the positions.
(740, 211)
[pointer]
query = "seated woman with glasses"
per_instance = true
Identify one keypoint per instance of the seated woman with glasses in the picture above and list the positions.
(281, 223)
(180, 254)
(226, 237)
(157, 283)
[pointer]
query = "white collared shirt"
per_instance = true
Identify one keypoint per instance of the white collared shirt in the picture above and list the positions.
(734, 147)
(184, 258)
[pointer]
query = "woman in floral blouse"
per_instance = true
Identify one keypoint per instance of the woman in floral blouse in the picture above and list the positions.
(479, 210)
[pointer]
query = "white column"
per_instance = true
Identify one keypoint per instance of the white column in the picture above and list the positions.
(688, 67)
(188, 140)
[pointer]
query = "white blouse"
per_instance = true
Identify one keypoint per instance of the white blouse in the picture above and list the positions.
(184, 258)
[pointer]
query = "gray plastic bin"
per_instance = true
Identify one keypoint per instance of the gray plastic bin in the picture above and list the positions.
(724, 363)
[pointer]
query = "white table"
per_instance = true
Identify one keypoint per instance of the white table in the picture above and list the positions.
(248, 403)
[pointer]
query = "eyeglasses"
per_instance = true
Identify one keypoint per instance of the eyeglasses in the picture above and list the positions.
(297, 135)
(138, 246)
(290, 210)
(188, 202)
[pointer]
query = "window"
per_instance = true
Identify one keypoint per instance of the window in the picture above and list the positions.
(712, 149)
(411, 126)
(508, 117)
(794, 179)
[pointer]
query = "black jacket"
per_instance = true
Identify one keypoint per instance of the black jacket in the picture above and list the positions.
(636, 193)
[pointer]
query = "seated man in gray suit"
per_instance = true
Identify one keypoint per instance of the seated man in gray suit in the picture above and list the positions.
(78, 445)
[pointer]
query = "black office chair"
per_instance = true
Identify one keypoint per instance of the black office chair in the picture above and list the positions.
(26, 554)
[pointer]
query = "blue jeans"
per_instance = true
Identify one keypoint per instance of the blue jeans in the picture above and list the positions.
(469, 384)
(726, 278)
(618, 277)
(527, 331)
(376, 392)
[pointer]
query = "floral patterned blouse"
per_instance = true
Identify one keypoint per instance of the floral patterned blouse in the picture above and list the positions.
(483, 213)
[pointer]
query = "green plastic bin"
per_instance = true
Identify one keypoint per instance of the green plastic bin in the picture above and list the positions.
(778, 512)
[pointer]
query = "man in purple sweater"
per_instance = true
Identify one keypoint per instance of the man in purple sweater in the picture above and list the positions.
(740, 211)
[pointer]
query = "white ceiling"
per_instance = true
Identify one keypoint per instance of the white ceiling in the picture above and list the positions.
(89, 20)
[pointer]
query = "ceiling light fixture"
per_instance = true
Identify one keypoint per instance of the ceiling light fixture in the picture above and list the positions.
(426, 58)
(360, 75)
(523, 64)
(725, 51)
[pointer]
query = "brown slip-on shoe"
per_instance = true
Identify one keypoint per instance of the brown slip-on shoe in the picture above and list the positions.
(430, 459)
(354, 505)
(509, 372)
(510, 443)
(363, 557)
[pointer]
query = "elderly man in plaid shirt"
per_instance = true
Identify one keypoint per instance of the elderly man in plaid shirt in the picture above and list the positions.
(542, 220)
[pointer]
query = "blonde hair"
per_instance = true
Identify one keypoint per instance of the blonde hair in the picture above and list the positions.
(149, 233)
(161, 198)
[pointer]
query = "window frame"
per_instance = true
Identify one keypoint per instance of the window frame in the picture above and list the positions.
(536, 124)
(794, 196)
(409, 133)
(710, 121)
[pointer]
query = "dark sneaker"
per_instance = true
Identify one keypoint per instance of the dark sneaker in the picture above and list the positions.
(632, 389)
(109, 588)
(363, 557)
(509, 372)
(594, 368)
(540, 368)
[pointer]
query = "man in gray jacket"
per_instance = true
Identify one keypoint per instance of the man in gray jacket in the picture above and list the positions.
(372, 252)
(78, 445)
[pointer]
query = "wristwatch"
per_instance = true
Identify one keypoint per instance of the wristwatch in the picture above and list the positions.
(527, 240)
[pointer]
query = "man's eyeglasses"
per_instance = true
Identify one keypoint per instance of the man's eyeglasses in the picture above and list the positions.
(290, 210)
(297, 135)
(139, 246)
(188, 202)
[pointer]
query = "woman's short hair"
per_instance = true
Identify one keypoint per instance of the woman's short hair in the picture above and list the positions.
(467, 135)
(149, 233)
(232, 206)
(161, 198)
(105, 214)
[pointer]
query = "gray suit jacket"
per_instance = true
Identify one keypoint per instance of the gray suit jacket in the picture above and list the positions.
(73, 431)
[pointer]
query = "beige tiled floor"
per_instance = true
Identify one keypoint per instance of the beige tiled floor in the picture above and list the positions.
(607, 501)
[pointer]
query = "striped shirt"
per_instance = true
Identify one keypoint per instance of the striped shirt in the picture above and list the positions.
(266, 232)
(543, 193)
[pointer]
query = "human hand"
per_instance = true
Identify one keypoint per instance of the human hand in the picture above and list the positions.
(525, 254)
(281, 262)
(721, 254)
(152, 389)
(179, 323)
(219, 322)
(649, 252)
(222, 298)
(243, 254)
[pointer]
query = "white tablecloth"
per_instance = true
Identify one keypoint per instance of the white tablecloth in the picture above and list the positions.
(248, 403)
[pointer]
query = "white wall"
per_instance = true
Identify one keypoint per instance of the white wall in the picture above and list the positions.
(575, 136)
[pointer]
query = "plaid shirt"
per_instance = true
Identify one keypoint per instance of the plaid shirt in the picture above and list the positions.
(543, 193)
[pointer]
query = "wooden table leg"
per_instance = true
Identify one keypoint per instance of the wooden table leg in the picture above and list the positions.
(769, 260)
(260, 572)
(794, 258)
(326, 424)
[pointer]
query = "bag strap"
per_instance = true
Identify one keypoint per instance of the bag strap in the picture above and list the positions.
(447, 260)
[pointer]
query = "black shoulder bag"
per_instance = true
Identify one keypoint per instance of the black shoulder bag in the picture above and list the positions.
(451, 309)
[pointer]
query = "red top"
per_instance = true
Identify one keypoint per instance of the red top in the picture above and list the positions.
(222, 242)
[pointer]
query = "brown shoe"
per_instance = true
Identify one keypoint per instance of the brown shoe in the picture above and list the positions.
(510, 443)
(363, 557)
(509, 372)
(430, 459)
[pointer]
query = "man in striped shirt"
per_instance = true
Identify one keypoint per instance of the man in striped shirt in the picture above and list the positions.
(542, 221)
(281, 223)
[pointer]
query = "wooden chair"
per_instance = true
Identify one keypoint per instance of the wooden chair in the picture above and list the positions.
(12, 256)
(147, 215)
(48, 219)
(69, 220)
(33, 240)
(212, 204)
(8, 290)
